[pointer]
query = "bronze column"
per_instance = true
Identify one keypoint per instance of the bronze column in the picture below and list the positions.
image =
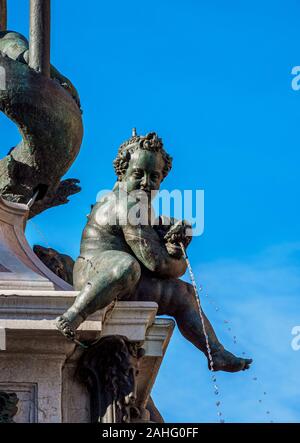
(3, 15)
(39, 36)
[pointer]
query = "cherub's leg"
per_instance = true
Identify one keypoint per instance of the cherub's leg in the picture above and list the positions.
(100, 280)
(176, 298)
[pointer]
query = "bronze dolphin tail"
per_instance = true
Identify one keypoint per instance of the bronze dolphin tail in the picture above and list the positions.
(50, 122)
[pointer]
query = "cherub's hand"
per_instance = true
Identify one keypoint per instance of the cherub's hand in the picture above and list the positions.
(178, 234)
(173, 250)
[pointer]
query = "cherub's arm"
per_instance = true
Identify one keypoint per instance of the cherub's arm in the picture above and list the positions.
(151, 251)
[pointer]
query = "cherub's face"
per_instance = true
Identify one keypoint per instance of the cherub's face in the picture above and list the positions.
(145, 172)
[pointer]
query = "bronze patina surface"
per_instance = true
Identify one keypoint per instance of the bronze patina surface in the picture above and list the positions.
(139, 262)
(47, 113)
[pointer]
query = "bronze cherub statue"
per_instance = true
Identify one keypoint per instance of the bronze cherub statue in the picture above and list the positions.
(129, 261)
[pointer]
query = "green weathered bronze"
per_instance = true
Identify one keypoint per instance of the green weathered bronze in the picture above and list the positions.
(126, 261)
(47, 113)
(61, 264)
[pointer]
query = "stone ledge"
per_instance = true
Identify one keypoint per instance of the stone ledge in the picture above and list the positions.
(37, 311)
(34, 351)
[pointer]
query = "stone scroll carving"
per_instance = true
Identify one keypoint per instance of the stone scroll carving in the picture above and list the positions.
(109, 370)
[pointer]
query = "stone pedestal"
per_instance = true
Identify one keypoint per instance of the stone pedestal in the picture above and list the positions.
(20, 268)
(39, 364)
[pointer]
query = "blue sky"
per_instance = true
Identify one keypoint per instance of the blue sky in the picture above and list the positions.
(213, 78)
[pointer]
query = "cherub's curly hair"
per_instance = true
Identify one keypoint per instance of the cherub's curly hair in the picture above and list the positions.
(150, 142)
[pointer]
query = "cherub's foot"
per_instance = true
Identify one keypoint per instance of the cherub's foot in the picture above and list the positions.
(225, 361)
(65, 327)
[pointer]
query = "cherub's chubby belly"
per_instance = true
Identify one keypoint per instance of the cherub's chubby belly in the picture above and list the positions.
(97, 240)
(100, 251)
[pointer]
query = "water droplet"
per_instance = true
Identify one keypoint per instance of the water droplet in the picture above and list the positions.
(254, 378)
(260, 401)
(226, 321)
(222, 420)
(234, 341)
(216, 392)
(267, 412)
(214, 379)
(265, 393)
(218, 403)
(216, 387)
(217, 309)
(219, 414)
